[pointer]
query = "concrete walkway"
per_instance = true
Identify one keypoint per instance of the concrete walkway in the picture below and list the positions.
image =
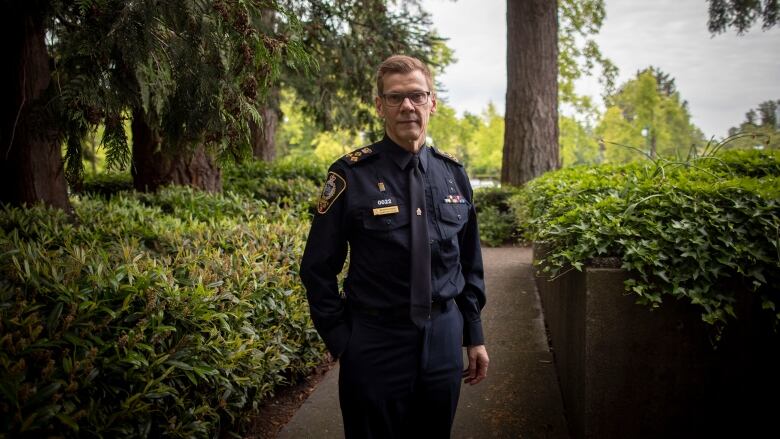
(519, 399)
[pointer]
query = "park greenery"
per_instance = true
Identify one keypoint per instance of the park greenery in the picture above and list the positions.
(498, 223)
(156, 291)
(645, 115)
(167, 314)
(760, 128)
(198, 83)
(704, 229)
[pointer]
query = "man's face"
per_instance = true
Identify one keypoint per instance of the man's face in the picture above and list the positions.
(406, 124)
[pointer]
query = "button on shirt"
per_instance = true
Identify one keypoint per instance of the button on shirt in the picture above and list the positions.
(364, 211)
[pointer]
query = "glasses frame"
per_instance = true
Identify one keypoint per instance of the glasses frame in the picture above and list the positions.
(405, 96)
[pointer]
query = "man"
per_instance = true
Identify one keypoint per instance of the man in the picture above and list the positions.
(415, 288)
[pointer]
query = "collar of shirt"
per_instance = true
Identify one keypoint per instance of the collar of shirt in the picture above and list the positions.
(401, 156)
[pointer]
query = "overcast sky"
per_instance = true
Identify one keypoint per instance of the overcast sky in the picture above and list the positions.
(721, 77)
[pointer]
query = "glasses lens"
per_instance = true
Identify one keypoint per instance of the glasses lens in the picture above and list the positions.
(416, 98)
(394, 99)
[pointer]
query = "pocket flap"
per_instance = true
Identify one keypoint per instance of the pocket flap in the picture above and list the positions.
(454, 213)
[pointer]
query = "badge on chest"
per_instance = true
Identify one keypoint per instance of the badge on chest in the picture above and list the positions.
(454, 199)
(384, 206)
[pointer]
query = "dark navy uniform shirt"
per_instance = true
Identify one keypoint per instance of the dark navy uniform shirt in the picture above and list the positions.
(364, 208)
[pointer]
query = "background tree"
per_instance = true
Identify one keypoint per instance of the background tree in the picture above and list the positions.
(350, 38)
(578, 53)
(578, 143)
(477, 140)
(760, 129)
(264, 130)
(648, 114)
(296, 130)
(485, 150)
(190, 74)
(451, 133)
(741, 14)
(531, 137)
(538, 76)
(31, 168)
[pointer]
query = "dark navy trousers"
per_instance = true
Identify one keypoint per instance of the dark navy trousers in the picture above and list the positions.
(399, 381)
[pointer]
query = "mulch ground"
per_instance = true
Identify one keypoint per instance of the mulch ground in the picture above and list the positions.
(276, 412)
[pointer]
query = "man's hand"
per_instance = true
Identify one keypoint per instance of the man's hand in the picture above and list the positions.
(478, 364)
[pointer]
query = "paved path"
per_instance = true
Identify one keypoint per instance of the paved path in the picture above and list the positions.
(519, 399)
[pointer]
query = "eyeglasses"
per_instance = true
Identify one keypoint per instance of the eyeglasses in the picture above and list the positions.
(415, 97)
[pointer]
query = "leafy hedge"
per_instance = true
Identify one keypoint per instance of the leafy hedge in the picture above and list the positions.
(688, 231)
(497, 217)
(286, 182)
(106, 184)
(153, 315)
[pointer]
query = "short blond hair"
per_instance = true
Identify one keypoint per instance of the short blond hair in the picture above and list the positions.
(401, 64)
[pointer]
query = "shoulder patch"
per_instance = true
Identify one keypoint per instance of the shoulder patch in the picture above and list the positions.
(334, 186)
(447, 156)
(358, 155)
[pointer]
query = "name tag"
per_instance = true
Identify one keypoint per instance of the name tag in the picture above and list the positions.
(385, 210)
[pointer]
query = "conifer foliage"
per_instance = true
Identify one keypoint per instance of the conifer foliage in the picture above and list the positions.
(196, 81)
(190, 74)
(741, 14)
(350, 38)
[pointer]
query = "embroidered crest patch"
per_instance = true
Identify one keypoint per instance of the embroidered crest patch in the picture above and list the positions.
(334, 186)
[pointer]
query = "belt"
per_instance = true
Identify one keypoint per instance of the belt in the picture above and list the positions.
(398, 312)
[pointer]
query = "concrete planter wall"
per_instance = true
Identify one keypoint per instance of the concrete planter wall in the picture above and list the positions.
(629, 372)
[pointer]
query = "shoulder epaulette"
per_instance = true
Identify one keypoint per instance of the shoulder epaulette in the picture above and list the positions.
(447, 156)
(358, 155)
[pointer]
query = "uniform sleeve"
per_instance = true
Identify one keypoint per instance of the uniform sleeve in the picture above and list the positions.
(472, 299)
(323, 259)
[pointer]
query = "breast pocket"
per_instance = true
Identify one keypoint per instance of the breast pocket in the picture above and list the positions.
(452, 218)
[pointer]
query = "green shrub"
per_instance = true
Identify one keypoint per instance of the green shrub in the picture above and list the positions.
(689, 232)
(157, 315)
(289, 167)
(746, 163)
(106, 184)
(497, 219)
(288, 183)
(495, 227)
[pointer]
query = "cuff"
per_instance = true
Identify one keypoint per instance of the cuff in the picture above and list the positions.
(472, 333)
(336, 340)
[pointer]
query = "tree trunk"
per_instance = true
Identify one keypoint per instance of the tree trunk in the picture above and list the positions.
(264, 133)
(154, 167)
(531, 133)
(31, 165)
(652, 144)
(93, 144)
